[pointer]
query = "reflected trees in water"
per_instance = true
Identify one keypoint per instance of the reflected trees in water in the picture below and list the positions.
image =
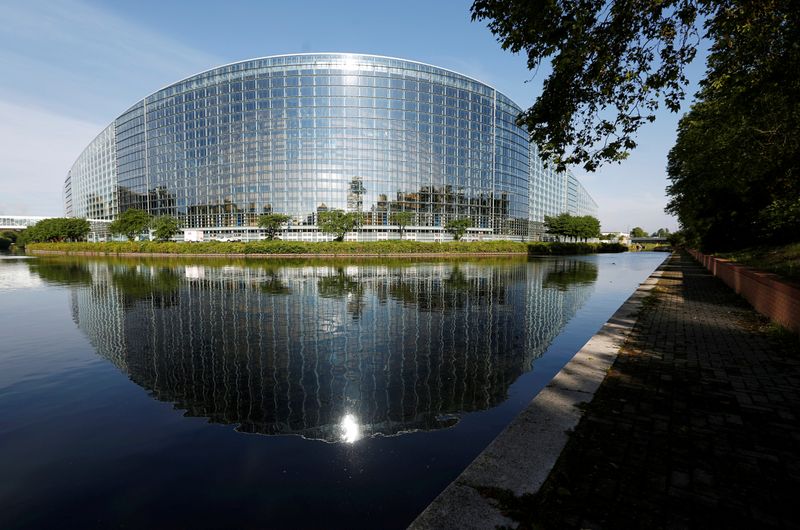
(326, 350)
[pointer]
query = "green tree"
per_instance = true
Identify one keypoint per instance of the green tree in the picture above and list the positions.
(458, 227)
(576, 227)
(11, 235)
(272, 223)
(734, 168)
(676, 239)
(587, 227)
(638, 232)
(56, 229)
(130, 223)
(338, 222)
(76, 229)
(164, 227)
(23, 237)
(402, 220)
(556, 225)
(612, 65)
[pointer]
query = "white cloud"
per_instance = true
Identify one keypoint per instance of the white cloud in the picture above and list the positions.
(37, 148)
(70, 69)
(65, 55)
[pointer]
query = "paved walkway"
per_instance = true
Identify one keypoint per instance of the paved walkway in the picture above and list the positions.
(697, 424)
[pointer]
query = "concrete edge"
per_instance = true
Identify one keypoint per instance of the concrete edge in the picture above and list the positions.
(277, 256)
(521, 457)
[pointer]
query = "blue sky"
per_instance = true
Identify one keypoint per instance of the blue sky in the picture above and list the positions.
(70, 67)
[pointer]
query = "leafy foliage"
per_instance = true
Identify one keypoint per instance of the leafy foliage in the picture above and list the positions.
(272, 223)
(164, 227)
(576, 227)
(57, 229)
(377, 248)
(613, 65)
(11, 235)
(566, 249)
(457, 227)
(638, 231)
(734, 168)
(367, 248)
(402, 219)
(676, 239)
(338, 222)
(130, 223)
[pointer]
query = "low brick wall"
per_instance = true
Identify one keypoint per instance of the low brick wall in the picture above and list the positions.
(766, 292)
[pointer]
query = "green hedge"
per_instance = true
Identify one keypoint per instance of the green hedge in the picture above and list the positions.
(286, 247)
(344, 248)
(563, 249)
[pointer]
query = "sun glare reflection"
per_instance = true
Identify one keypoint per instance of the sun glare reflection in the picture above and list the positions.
(350, 429)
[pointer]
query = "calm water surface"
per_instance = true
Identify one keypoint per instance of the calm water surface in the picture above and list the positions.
(305, 394)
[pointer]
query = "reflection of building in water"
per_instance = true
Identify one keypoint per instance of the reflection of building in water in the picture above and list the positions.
(98, 312)
(328, 352)
(555, 293)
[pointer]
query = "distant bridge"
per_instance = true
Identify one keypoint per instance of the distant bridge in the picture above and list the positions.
(655, 239)
(20, 222)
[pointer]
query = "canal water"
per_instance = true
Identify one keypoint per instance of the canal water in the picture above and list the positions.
(273, 394)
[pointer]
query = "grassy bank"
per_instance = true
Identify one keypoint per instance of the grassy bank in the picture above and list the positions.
(374, 248)
(782, 260)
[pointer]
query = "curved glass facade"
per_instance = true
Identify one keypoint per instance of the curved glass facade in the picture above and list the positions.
(302, 134)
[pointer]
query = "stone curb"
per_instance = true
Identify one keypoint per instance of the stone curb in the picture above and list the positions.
(522, 456)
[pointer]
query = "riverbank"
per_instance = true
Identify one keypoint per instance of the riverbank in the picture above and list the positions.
(693, 425)
(284, 249)
(517, 463)
(783, 260)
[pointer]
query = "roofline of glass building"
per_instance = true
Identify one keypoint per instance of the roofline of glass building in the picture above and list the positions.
(303, 54)
(303, 134)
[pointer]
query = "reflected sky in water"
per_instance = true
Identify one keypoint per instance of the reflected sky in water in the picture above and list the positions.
(368, 385)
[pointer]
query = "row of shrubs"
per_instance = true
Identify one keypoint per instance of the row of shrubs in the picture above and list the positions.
(286, 247)
(346, 247)
(563, 249)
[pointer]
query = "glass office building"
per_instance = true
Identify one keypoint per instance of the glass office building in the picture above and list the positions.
(309, 133)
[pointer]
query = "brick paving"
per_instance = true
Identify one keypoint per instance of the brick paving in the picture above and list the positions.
(695, 426)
